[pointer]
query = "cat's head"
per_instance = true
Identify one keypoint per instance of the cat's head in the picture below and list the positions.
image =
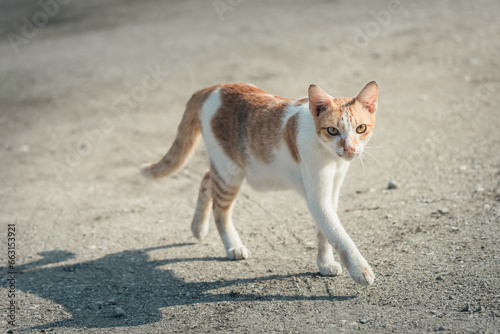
(344, 125)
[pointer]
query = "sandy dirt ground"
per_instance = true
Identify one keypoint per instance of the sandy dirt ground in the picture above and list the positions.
(90, 90)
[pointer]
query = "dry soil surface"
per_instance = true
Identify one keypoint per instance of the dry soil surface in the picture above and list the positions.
(100, 249)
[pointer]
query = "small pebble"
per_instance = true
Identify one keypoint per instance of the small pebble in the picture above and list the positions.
(392, 185)
(441, 328)
(363, 321)
(24, 148)
(463, 168)
(443, 211)
(119, 312)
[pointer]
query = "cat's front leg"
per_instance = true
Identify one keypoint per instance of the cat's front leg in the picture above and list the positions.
(321, 206)
(326, 263)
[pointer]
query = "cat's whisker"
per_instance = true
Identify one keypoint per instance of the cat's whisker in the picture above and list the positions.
(362, 163)
(375, 147)
(371, 166)
(374, 158)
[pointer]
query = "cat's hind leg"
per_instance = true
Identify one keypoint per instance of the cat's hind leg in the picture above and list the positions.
(224, 191)
(201, 218)
(326, 263)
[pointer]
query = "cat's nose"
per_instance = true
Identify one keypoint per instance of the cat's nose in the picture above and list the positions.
(349, 150)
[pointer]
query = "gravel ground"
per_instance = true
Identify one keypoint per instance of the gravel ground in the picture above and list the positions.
(88, 97)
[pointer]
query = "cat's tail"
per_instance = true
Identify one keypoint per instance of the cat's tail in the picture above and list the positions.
(188, 135)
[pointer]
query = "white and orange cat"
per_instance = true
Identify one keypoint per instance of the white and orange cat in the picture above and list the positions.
(275, 143)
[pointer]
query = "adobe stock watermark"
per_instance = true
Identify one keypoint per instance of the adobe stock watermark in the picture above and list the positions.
(364, 35)
(460, 112)
(120, 109)
(223, 6)
(30, 28)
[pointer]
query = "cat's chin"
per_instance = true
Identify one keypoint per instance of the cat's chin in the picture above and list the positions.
(348, 157)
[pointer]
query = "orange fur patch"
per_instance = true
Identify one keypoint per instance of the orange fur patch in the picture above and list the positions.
(301, 101)
(248, 122)
(223, 194)
(264, 130)
(290, 136)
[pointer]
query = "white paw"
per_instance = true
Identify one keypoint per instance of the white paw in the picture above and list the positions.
(362, 274)
(330, 269)
(199, 229)
(238, 253)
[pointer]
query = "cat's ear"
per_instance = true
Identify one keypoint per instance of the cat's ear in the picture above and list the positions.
(318, 100)
(368, 97)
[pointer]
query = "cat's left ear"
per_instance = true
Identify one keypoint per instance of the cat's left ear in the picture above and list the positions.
(368, 97)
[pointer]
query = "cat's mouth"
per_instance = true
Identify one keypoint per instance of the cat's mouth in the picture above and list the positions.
(348, 156)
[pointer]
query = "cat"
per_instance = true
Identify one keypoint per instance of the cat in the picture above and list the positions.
(275, 143)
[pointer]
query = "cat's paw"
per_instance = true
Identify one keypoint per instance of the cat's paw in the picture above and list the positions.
(199, 229)
(330, 269)
(238, 253)
(362, 274)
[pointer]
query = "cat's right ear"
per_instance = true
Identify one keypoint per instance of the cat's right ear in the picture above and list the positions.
(318, 100)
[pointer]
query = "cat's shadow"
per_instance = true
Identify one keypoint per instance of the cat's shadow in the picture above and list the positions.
(92, 291)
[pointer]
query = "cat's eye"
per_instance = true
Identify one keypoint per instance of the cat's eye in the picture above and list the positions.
(332, 131)
(361, 128)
